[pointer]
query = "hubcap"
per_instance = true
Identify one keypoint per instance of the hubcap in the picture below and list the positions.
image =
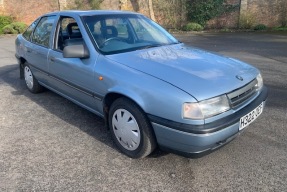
(28, 77)
(126, 129)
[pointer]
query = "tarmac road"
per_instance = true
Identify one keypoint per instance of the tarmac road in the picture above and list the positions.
(48, 143)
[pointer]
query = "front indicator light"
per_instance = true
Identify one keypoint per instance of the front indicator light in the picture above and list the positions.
(192, 111)
(259, 84)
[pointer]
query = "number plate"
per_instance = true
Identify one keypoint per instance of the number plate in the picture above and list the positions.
(250, 117)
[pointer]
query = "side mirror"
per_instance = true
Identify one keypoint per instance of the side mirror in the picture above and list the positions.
(76, 51)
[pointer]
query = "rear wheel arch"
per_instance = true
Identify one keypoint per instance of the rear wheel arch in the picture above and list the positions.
(22, 62)
(31, 82)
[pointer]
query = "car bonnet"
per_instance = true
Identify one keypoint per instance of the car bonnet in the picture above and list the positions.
(200, 73)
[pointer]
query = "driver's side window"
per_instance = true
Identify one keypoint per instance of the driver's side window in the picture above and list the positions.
(68, 33)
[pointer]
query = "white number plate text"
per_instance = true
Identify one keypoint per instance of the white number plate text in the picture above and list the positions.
(250, 117)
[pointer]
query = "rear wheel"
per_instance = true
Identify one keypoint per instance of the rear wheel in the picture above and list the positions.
(31, 82)
(130, 129)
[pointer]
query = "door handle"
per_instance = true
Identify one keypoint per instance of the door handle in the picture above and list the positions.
(52, 59)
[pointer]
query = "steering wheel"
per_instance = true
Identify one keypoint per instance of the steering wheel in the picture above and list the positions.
(110, 39)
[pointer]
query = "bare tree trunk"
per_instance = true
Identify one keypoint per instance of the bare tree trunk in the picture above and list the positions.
(151, 12)
(120, 4)
(59, 5)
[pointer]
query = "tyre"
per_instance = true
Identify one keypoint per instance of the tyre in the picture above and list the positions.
(31, 82)
(130, 129)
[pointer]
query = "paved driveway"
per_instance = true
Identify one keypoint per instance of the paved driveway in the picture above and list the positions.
(48, 143)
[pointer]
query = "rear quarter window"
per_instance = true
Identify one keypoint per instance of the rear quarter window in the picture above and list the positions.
(30, 29)
(42, 32)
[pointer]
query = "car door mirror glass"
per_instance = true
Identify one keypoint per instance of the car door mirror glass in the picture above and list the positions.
(75, 48)
(76, 51)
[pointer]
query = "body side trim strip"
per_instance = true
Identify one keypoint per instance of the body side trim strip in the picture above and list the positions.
(78, 88)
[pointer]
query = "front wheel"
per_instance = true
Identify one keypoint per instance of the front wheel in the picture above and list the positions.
(130, 129)
(31, 82)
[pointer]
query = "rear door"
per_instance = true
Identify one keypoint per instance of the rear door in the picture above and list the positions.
(38, 48)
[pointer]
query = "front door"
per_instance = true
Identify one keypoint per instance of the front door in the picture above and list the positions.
(73, 77)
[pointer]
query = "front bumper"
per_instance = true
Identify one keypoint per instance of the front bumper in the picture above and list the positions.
(197, 140)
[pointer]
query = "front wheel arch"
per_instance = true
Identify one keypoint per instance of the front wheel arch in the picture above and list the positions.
(147, 142)
(109, 99)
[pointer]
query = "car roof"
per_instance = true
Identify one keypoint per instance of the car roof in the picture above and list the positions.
(91, 12)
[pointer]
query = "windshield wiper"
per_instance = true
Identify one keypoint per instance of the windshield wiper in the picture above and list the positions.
(174, 43)
(149, 46)
(156, 45)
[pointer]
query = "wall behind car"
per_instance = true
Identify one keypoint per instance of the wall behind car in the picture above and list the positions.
(27, 10)
(170, 13)
(269, 12)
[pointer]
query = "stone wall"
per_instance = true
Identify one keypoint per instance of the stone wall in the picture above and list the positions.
(269, 12)
(140, 6)
(227, 20)
(170, 13)
(28, 10)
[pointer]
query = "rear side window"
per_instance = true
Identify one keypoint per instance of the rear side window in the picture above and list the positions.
(29, 30)
(42, 33)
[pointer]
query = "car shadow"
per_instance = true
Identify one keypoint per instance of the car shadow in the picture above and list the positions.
(64, 109)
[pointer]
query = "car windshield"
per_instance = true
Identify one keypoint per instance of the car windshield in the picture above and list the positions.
(126, 32)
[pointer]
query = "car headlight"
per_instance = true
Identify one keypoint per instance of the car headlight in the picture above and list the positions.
(206, 108)
(259, 84)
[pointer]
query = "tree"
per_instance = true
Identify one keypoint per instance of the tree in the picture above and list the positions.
(151, 12)
(86, 4)
(170, 13)
(18, 9)
(95, 4)
(201, 11)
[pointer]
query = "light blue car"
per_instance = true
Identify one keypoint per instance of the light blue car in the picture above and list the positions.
(152, 90)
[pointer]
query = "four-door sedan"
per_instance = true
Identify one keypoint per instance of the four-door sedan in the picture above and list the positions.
(151, 89)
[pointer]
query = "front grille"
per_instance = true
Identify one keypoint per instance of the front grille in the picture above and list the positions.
(242, 95)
